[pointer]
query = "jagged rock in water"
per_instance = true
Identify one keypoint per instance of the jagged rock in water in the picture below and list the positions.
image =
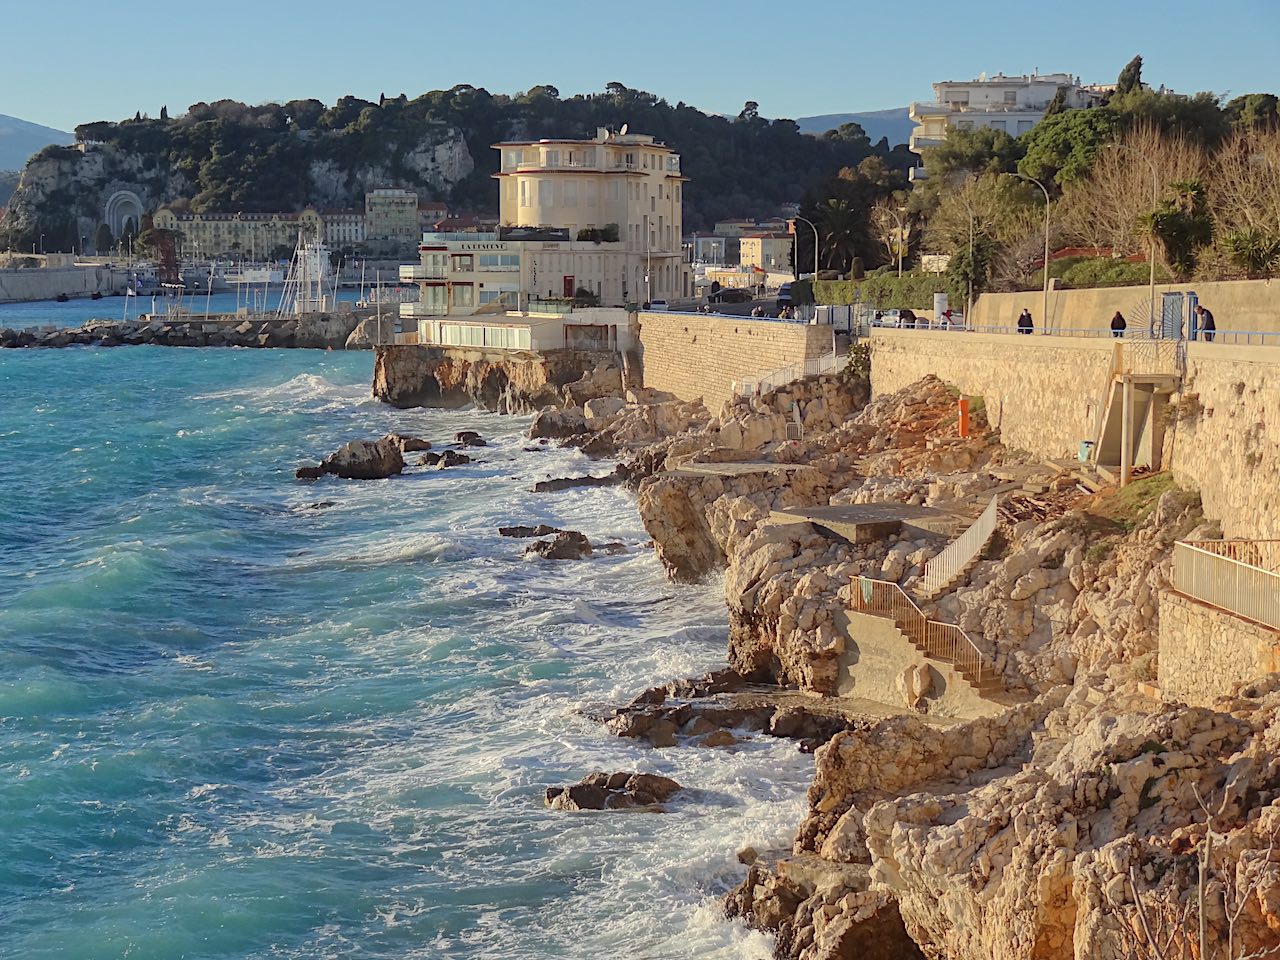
(359, 460)
(444, 459)
(614, 791)
(541, 530)
(566, 483)
(408, 444)
(566, 545)
(469, 438)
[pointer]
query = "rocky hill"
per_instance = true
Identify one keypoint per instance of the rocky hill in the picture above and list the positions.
(233, 157)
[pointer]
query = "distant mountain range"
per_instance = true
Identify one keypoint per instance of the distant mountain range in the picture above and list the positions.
(19, 139)
(893, 123)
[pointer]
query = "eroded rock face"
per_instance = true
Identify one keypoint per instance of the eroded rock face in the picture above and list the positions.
(469, 438)
(614, 791)
(408, 444)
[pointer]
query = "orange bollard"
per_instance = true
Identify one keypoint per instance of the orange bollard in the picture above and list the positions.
(964, 416)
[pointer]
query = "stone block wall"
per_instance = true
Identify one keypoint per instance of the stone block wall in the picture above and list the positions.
(1225, 442)
(695, 355)
(1205, 652)
(1044, 393)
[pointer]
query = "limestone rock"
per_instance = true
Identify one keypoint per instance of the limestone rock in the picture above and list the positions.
(614, 791)
(565, 545)
(365, 460)
(469, 438)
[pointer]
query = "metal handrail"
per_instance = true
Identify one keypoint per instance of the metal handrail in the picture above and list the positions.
(1239, 576)
(827, 363)
(1131, 335)
(940, 641)
(946, 566)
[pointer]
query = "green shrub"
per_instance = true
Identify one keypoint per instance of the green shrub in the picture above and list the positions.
(884, 290)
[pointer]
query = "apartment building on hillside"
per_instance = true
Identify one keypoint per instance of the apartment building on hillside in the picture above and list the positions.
(1011, 104)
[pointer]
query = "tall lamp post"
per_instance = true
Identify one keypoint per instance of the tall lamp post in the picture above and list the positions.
(1044, 303)
(816, 244)
(1151, 239)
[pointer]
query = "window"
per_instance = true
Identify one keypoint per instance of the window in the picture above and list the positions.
(659, 191)
(592, 189)
(1011, 96)
(524, 193)
(553, 158)
(571, 193)
(464, 295)
(497, 261)
(615, 191)
(546, 193)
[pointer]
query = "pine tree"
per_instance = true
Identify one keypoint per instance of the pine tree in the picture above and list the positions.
(1130, 77)
(164, 112)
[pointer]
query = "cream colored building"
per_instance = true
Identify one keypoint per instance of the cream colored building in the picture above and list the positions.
(599, 216)
(771, 251)
(343, 228)
(391, 214)
(628, 180)
(1011, 104)
(253, 235)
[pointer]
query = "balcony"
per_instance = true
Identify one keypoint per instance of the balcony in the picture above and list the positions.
(940, 108)
(412, 272)
(412, 311)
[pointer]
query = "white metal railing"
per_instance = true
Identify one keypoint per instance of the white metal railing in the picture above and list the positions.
(829, 363)
(1143, 356)
(1239, 576)
(941, 641)
(947, 565)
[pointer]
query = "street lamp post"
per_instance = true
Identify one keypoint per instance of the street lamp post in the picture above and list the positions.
(1044, 303)
(816, 243)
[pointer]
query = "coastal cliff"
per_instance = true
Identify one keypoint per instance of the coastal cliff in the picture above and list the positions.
(503, 381)
(1055, 811)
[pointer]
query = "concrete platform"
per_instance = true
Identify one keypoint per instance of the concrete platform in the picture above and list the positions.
(868, 522)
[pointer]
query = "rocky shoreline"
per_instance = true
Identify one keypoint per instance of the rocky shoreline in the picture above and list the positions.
(1058, 812)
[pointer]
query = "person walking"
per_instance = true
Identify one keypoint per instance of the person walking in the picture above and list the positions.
(1025, 324)
(1118, 325)
(1207, 327)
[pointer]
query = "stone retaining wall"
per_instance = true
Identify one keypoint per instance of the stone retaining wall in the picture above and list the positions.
(695, 355)
(1205, 652)
(1225, 440)
(1041, 392)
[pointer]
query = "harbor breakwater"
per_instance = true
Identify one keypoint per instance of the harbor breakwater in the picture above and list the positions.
(308, 331)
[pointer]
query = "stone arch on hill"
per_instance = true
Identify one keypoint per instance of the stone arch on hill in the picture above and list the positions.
(122, 206)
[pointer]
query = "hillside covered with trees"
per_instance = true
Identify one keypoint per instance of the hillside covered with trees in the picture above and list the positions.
(234, 157)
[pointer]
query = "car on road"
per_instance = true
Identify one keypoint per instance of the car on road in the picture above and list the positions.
(658, 306)
(730, 295)
(784, 296)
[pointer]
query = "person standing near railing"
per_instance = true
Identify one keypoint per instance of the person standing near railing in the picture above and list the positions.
(1025, 324)
(1205, 321)
(1118, 325)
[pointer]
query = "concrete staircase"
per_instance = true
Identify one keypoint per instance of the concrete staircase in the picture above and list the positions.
(942, 642)
(960, 555)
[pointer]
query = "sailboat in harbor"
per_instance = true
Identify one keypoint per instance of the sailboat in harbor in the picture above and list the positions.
(311, 284)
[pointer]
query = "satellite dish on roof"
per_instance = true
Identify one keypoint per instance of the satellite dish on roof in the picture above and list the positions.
(623, 131)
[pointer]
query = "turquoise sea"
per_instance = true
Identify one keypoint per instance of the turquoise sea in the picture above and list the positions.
(245, 717)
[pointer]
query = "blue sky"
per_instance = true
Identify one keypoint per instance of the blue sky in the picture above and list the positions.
(79, 60)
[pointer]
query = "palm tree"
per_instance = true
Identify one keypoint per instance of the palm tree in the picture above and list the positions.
(839, 224)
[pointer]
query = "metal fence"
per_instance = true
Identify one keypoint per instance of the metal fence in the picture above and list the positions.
(829, 363)
(940, 641)
(1132, 334)
(1239, 576)
(946, 566)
